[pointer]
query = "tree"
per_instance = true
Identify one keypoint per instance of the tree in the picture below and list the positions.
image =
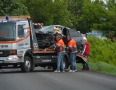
(22, 1)
(40, 11)
(94, 15)
(60, 13)
(100, 16)
(75, 7)
(49, 12)
(12, 7)
(110, 17)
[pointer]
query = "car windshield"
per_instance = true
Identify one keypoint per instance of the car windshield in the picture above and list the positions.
(47, 28)
(7, 31)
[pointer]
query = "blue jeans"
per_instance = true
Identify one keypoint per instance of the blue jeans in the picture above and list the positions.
(60, 62)
(85, 64)
(73, 61)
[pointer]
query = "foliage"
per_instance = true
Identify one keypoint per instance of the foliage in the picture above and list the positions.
(12, 7)
(99, 16)
(93, 14)
(22, 1)
(49, 12)
(102, 51)
(75, 7)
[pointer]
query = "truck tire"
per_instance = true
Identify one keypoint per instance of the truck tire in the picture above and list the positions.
(26, 66)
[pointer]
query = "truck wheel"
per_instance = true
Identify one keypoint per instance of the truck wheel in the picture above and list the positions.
(26, 66)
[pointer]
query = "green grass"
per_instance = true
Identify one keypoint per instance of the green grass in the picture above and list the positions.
(101, 67)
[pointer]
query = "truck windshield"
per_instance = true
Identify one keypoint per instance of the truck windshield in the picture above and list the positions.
(7, 31)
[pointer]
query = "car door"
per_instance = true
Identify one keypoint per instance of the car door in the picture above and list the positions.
(78, 38)
(75, 35)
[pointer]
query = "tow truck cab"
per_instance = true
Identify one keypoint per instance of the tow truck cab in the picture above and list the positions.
(14, 40)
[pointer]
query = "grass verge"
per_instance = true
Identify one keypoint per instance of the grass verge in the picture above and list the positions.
(101, 67)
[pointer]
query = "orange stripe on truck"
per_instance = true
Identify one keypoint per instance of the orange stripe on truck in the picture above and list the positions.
(16, 41)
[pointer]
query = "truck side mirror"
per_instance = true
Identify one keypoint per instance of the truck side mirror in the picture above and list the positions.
(25, 32)
(24, 27)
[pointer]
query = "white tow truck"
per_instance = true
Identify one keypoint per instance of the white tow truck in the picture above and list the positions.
(19, 46)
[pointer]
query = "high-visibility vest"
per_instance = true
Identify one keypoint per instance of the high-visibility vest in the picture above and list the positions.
(72, 47)
(60, 46)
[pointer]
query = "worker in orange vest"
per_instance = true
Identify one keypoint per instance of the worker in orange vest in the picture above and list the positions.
(72, 48)
(60, 49)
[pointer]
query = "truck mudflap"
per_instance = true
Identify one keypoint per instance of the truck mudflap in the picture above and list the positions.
(81, 58)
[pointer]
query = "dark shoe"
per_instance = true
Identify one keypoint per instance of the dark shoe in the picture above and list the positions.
(83, 69)
(86, 69)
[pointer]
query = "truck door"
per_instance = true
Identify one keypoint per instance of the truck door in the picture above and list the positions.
(23, 36)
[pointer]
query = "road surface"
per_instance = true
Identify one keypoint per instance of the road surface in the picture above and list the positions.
(43, 79)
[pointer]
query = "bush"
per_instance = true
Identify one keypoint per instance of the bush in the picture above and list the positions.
(102, 51)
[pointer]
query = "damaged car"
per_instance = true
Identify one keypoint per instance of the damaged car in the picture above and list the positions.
(45, 36)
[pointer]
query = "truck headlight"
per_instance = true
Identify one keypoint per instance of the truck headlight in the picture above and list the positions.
(13, 57)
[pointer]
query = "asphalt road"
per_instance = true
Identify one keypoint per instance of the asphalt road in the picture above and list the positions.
(43, 79)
